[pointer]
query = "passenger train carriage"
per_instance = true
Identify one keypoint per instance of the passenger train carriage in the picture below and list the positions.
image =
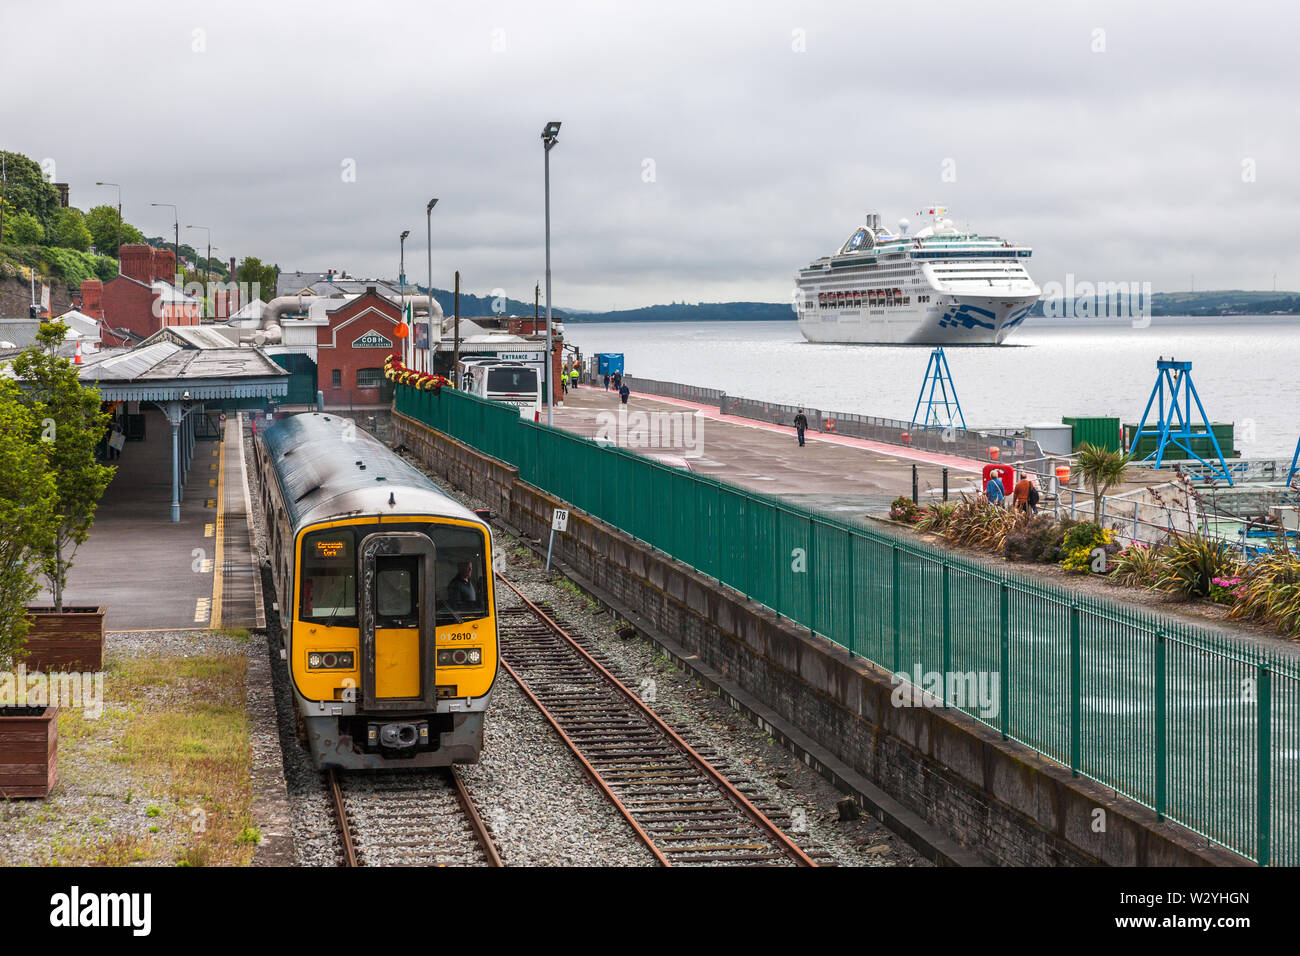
(385, 596)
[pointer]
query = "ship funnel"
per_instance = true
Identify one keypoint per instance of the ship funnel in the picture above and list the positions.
(873, 221)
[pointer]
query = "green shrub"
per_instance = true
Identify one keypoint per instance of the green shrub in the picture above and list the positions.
(1269, 592)
(1191, 562)
(1139, 565)
(1038, 539)
(1079, 547)
(904, 509)
(935, 517)
(978, 523)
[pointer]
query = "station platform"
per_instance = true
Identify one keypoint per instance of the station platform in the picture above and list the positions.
(833, 473)
(151, 573)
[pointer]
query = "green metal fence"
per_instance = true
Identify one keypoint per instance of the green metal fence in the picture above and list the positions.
(1203, 732)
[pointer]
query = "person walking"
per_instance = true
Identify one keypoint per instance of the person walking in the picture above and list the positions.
(994, 490)
(1021, 493)
(607, 381)
(800, 425)
(623, 393)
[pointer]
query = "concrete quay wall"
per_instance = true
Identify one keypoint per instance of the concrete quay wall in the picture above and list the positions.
(1007, 804)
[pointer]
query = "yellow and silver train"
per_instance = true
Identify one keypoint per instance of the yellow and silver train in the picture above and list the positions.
(384, 588)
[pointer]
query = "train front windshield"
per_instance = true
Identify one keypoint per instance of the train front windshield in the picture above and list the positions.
(460, 573)
(329, 577)
(519, 381)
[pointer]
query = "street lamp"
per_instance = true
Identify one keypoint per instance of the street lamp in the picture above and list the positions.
(119, 219)
(206, 276)
(428, 344)
(550, 134)
(401, 280)
(176, 247)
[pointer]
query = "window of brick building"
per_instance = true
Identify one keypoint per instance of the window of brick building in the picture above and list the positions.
(369, 377)
(336, 378)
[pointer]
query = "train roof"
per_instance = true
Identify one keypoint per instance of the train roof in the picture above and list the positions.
(323, 476)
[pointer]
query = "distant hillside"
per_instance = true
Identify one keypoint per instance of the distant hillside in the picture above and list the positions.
(1213, 302)
(699, 312)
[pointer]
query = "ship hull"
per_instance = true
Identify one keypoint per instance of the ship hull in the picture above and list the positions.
(949, 320)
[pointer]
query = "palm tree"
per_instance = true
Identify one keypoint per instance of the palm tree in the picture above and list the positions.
(1101, 470)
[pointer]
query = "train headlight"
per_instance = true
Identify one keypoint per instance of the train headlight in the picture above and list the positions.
(331, 660)
(459, 657)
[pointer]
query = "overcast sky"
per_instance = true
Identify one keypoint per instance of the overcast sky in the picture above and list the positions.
(1116, 139)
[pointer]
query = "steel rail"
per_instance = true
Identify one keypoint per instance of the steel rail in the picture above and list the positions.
(787, 846)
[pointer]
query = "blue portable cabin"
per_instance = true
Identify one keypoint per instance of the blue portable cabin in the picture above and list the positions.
(607, 363)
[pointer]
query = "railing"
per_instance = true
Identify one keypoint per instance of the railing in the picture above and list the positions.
(944, 441)
(1176, 717)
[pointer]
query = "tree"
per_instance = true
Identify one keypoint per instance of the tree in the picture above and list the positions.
(70, 230)
(102, 223)
(1101, 470)
(26, 190)
(23, 229)
(68, 424)
(27, 517)
(260, 278)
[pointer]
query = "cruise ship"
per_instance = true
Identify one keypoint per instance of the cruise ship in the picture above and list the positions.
(937, 286)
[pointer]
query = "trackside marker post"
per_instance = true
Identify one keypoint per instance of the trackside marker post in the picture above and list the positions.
(559, 522)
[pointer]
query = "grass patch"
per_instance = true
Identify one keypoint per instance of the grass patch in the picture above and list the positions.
(234, 633)
(184, 739)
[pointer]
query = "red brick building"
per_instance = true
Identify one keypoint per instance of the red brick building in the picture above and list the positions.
(350, 351)
(141, 299)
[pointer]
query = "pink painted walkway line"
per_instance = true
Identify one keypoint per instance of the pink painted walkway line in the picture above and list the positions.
(896, 451)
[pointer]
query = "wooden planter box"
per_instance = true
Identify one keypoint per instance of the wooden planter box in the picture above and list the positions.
(70, 640)
(29, 747)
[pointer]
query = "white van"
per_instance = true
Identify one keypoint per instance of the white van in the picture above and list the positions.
(511, 382)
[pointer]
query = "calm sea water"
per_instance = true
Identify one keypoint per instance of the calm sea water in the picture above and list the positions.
(1246, 370)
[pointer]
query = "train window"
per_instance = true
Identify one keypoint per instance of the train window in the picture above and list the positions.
(460, 580)
(397, 601)
(328, 592)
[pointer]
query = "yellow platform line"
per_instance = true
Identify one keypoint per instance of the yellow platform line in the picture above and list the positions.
(218, 564)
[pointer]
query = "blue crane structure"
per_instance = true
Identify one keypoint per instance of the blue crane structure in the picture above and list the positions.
(939, 378)
(1175, 391)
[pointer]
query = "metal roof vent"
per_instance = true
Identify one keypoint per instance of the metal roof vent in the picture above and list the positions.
(392, 500)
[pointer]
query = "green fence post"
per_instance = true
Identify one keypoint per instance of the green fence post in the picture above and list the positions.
(853, 600)
(898, 611)
(1162, 742)
(947, 631)
(812, 571)
(1076, 694)
(1004, 683)
(1264, 735)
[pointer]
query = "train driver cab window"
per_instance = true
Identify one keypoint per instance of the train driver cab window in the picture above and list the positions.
(328, 590)
(460, 575)
(397, 591)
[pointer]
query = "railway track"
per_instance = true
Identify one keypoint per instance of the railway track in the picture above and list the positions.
(685, 810)
(409, 818)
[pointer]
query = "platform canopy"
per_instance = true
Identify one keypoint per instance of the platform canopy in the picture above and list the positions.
(164, 371)
(178, 373)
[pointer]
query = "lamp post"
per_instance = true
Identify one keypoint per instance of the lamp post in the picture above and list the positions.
(119, 220)
(176, 246)
(428, 345)
(401, 280)
(206, 276)
(550, 133)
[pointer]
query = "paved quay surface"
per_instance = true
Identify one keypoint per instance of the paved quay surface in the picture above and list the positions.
(834, 473)
(154, 574)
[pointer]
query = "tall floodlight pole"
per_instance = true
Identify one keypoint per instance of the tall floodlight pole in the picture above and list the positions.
(207, 278)
(401, 281)
(119, 219)
(428, 345)
(550, 134)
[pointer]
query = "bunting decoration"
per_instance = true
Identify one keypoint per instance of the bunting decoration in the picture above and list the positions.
(399, 374)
